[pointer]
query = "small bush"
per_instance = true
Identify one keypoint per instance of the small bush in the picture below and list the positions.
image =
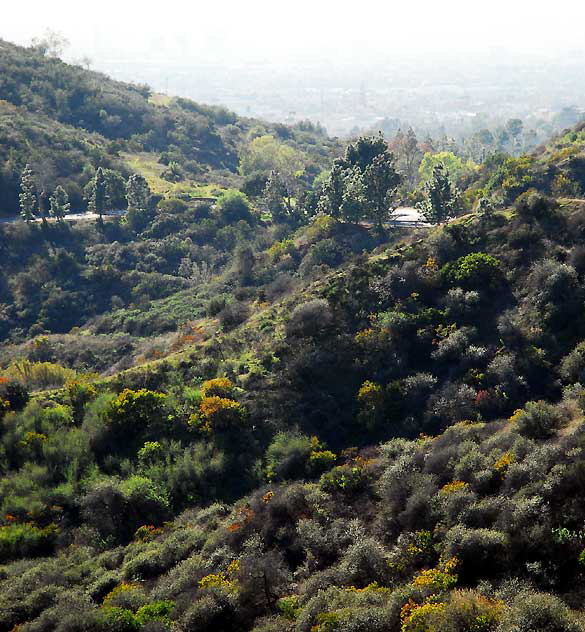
(287, 456)
(538, 420)
(310, 320)
(233, 314)
(475, 271)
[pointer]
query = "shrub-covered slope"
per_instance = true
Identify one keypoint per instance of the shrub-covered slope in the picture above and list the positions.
(66, 121)
(392, 444)
(274, 415)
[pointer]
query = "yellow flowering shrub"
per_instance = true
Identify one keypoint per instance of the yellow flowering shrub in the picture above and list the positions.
(422, 544)
(415, 617)
(374, 587)
(472, 612)
(442, 577)
(215, 580)
(371, 401)
(504, 462)
(33, 438)
(225, 580)
(219, 386)
(516, 415)
(118, 592)
(218, 413)
(455, 486)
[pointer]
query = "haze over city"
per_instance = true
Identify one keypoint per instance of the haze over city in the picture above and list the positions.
(328, 62)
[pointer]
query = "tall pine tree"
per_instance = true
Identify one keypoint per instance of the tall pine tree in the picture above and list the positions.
(99, 192)
(28, 195)
(276, 198)
(137, 193)
(138, 197)
(381, 180)
(441, 197)
(60, 205)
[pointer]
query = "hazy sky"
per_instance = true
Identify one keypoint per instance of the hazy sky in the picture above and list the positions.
(263, 30)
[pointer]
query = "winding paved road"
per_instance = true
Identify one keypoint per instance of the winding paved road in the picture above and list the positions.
(404, 216)
(71, 217)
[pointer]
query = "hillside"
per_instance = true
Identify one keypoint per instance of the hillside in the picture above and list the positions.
(274, 410)
(66, 121)
(339, 534)
(556, 168)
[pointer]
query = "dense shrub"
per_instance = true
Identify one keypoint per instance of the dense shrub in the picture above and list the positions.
(26, 540)
(475, 271)
(477, 548)
(538, 420)
(134, 412)
(287, 456)
(572, 368)
(533, 205)
(233, 206)
(233, 314)
(538, 611)
(310, 320)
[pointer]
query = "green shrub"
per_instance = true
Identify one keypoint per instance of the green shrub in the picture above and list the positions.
(26, 540)
(346, 478)
(531, 611)
(287, 456)
(133, 412)
(172, 206)
(289, 607)
(233, 206)
(532, 205)
(118, 620)
(310, 320)
(233, 314)
(157, 611)
(215, 305)
(538, 420)
(572, 367)
(475, 271)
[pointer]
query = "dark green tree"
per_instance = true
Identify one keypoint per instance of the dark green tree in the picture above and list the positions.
(28, 195)
(514, 127)
(381, 185)
(361, 153)
(244, 263)
(115, 191)
(441, 197)
(137, 193)
(277, 198)
(362, 184)
(332, 194)
(99, 197)
(60, 205)
(354, 203)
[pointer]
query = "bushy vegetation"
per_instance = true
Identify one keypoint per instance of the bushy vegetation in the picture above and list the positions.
(277, 412)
